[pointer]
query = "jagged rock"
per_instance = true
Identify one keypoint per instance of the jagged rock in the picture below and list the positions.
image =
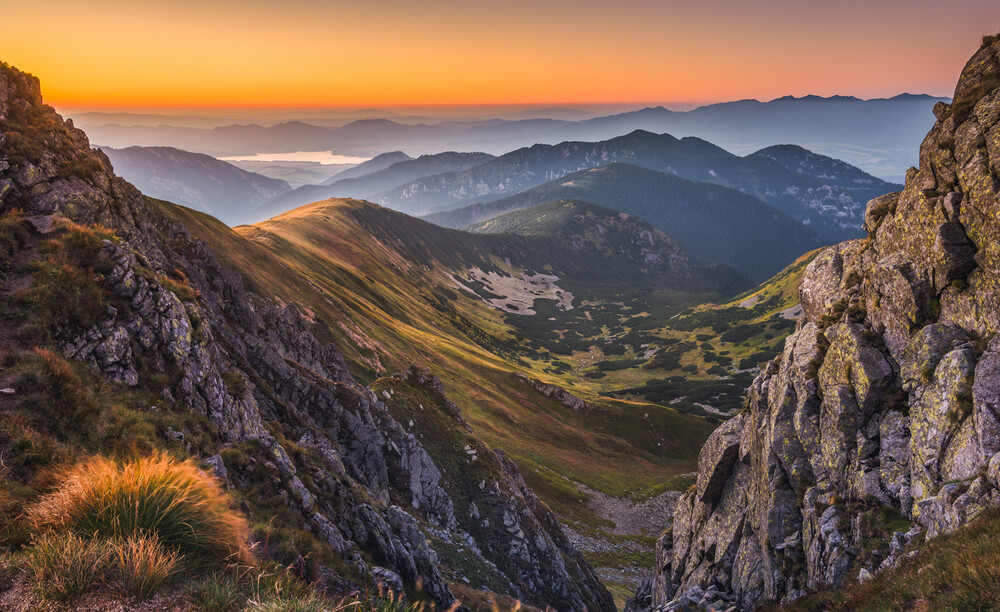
(330, 534)
(642, 601)
(986, 400)
(218, 467)
(388, 578)
(716, 461)
(820, 287)
(414, 545)
(887, 394)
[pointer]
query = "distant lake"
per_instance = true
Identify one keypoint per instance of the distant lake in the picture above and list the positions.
(326, 158)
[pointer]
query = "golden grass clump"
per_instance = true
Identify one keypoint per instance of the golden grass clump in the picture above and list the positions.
(143, 565)
(156, 496)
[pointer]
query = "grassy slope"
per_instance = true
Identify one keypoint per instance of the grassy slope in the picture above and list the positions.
(320, 259)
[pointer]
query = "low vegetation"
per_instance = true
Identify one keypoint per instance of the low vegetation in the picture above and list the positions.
(960, 571)
(174, 502)
(146, 527)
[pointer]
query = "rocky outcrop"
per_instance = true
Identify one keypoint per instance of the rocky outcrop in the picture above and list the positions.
(561, 395)
(500, 519)
(296, 425)
(884, 402)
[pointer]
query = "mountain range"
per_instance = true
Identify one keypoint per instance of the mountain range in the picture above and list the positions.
(368, 179)
(712, 223)
(826, 194)
(881, 135)
(813, 199)
(196, 180)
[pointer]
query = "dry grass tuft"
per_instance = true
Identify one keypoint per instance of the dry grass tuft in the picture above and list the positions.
(143, 565)
(175, 502)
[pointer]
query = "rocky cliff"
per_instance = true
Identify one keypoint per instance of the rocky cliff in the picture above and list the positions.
(293, 424)
(884, 409)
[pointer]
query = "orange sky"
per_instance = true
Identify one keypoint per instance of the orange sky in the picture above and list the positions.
(267, 53)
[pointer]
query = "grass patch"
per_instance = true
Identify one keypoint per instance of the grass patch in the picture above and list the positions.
(221, 592)
(61, 296)
(66, 565)
(13, 234)
(63, 403)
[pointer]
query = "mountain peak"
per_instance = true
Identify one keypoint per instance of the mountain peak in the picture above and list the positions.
(47, 165)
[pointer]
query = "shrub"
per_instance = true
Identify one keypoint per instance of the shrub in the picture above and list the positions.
(66, 565)
(235, 383)
(142, 565)
(174, 501)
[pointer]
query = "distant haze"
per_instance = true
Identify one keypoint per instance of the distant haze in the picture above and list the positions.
(256, 53)
(325, 158)
(882, 136)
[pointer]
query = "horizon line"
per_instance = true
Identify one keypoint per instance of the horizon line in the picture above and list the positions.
(637, 105)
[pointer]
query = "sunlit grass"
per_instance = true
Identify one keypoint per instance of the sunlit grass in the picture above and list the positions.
(174, 501)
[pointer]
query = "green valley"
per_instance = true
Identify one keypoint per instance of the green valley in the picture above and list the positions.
(649, 362)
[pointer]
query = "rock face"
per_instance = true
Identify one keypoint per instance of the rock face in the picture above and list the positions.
(341, 463)
(885, 401)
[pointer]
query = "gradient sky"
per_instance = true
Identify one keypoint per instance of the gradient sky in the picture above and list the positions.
(267, 53)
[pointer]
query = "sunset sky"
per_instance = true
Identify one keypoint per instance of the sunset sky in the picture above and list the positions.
(262, 53)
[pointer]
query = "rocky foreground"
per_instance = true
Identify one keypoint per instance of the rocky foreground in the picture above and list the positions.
(880, 422)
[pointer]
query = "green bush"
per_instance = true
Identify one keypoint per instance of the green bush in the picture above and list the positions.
(235, 383)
